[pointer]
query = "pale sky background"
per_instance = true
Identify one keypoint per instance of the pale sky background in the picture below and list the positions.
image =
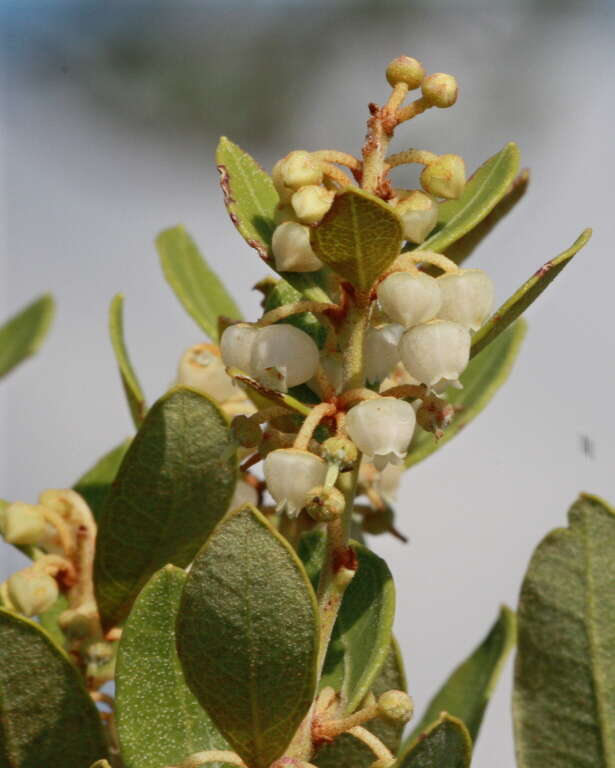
(110, 115)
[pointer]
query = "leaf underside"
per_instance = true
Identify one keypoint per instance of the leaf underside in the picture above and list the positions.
(23, 334)
(95, 484)
(447, 744)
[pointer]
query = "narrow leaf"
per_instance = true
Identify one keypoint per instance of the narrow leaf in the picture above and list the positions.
(359, 237)
(173, 486)
(447, 744)
(198, 288)
(130, 382)
(467, 691)
(269, 395)
(47, 718)
(247, 636)
(481, 380)
(96, 483)
(481, 194)
(159, 720)
(564, 692)
(23, 334)
(526, 295)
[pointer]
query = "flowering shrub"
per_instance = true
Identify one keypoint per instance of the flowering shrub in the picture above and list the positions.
(240, 613)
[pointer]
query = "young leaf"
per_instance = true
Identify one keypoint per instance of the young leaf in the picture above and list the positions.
(359, 237)
(481, 380)
(175, 483)
(23, 334)
(362, 633)
(247, 636)
(49, 620)
(47, 718)
(564, 692)
(481, 194)
(130, 382)
(198, 288)
(447, 744)
(159, 720)
(95, 484)
(526, 295)
(467, 691)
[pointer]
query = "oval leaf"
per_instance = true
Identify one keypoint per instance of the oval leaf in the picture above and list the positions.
(198, 288)
(447, 744)
(159, 720)
(23, 334)
(564, 692)
(526, 295)
(174, 485)
(481, 194)
(130, 382)
(247, 636)
(467, 691)
(359, 237)
(481, 380)
(47, 718)
(95, 484)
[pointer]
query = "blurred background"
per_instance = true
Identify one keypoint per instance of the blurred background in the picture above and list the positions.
(110, 114)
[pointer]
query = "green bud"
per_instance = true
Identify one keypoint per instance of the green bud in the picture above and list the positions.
(445, 177)
(405, 69)
(440, 90)
(324, 504)
(396, 706)
(340, 451)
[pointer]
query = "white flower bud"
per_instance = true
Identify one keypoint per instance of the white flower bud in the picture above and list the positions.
(24, 524)
(31, 591)
(436, 350)
(244, 494)
(283, 356)
(410, 298)
(440, 89)
(201, 368)
(310, 203)
(445, 177)
(382, 428)
(290, 474)
(419, 215)
(291, 248)
(380, 352)
(405, 69)
(236, 346)
(467, 297)
(298, 169)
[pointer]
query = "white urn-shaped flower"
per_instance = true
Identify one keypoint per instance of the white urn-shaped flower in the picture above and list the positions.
(236, 345)
(291, 248)
(436, 350)
(290, 474)
(283, 356)
(409, 298)
(467, 297)
(202, 368)
(381, 354)
(382, 429)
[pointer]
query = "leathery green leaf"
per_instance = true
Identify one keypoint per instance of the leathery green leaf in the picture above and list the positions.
(564, 690)
(466, 693)
(199, 290)
(95, 484)
(174, 484)
(361, 636)
(159, 720)
(481, 380)
(47, 718)
(526, 295)
(23, 334)
(130, 382)
(482, 192)
(347, 751)
(358, 238)
(247, 635)
(447, 744)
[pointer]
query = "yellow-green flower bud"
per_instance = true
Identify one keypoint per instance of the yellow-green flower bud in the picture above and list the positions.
(24, 524)
(340, 451)
(31, 591)
(297, 169)
(445, 177)
(311, 202)
(396, 706)
(405, 69)
(440, 89)
(324, 504)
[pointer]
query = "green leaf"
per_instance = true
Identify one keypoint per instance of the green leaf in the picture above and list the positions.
(47, 718)
(263, 395)
(96, 483)
(463, 248)
(23, 334)
(482, 192)
(467, 691)
(359, 237)
(247, 636)
(526, 295)
(564, 692)
(447, 744)
(284, 293)
(49, 620)
(196, 285)
(130, 382)
(174, 484)
(347, 751)
(362, 633)
(481, 380)
(159, 720)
